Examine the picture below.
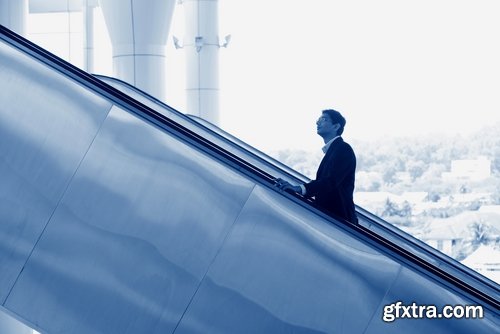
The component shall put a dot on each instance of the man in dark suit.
(333, 187)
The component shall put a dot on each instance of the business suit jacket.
(333, 187)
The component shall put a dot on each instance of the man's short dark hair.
(336, 117)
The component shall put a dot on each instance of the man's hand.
(285, 185)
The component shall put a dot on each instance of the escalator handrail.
(390, 248)
(382, 226)
(214, 130)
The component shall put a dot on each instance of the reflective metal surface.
(283, 270)
(276, 169)
(133, 236)
(9, 325)
(47, 123)
(412, 287)
(110, 224)
(208, 131)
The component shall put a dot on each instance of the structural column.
(138, 31)
(88, 35)
(14, 14)
(201, 44)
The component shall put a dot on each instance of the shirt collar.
(327, 145)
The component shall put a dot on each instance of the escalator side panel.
(212, 134)
(133, 236)
(283, 270)
(47, 123)
(412, 288)
(276, 169)
(150, 229)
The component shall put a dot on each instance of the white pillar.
(88, 35)
(139, 31)
(201, 44)
(13, 15)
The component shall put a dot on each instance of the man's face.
(325, 126)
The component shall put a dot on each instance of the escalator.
(121, 216)
(273, 167)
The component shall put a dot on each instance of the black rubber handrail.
(364, 215)
(217, 152)
(213, 129)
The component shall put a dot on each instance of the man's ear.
(336, 126)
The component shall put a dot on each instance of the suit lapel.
(328, 157)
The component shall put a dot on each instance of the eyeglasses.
(323, 119)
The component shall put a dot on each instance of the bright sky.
(392, 67)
